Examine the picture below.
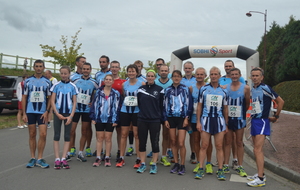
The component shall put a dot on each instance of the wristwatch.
(276, 116)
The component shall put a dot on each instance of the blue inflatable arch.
(218, 51)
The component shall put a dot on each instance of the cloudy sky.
(136, 29)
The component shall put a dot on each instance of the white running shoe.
(251, 178)
(20, 127)
(256, 183)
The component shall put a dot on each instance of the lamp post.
(265, 37)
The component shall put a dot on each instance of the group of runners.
(140, 105)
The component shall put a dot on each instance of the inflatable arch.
(218, 51)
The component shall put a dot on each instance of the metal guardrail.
(18, 63)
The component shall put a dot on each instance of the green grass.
(289, 91)
(7, 121)
(19, 72)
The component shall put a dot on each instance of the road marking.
(22, 165)
(237, 178)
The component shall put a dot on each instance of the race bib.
(214, 100)
(130, 101)
(83, 98)
(37, 96)
(195, 108)
(256, 108)
(234, 111)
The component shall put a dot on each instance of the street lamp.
(265, 37)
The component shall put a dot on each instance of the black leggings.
(143, 128)
(57, 128)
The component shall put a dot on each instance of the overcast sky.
(136, 29)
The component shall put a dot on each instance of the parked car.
(8, 92)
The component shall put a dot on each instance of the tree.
(67, 55)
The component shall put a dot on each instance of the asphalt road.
(14, 174)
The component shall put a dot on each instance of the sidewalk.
(285, 137)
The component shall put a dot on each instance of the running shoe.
(235, 164)
(81, 158)
(170, 154)
(141, 169)
(31, 163)
(241, 171)
(208, 168)
(199, 174)
(137, 164)
(21, 127)
(129, 151)
(88, 152)
(149, 155)
(95, 153)
(73, 152)
(118, 156)
(97, 162)
(221, 175)
(120, 163)
(25, 126)
(193, 158)
(68, 158)
(153, 169)
(65, 164)
(164, 161)
(57, 164)
(256, 183)
(181, 171)
(226, 169)
(196, 168)
(107, 162)
(251, 178)
(42, 163)
(49, 125)
(175, 168)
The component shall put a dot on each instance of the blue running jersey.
(236, 103)
(75, 76)
(105, 109)
(223, 80)
(64, 96)
(86, 88)
(212, 100)
(130, 97)
(37, 90)
(188, 82)
(262, 97)
(142, 78)
(99, 76)
(163, 85)
(195, 96)
(178, 101)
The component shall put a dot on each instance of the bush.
(289, 91)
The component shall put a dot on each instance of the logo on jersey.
(155, 93)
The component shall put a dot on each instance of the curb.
(274, 167)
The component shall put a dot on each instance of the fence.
(17, 62)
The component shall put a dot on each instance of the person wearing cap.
(150, 101)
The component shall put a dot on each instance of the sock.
(80, 152)
(130, 136)
(163, 156)
(138, 158)
(261, 178)
(87, 147)
(98, 157)
(62, 159)
(106, 157)
(122, 157)
(169, 149)
(234, 159)
(153, 163)
(144, 163)
(68, 153)
(57, 159)
(208, 163)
